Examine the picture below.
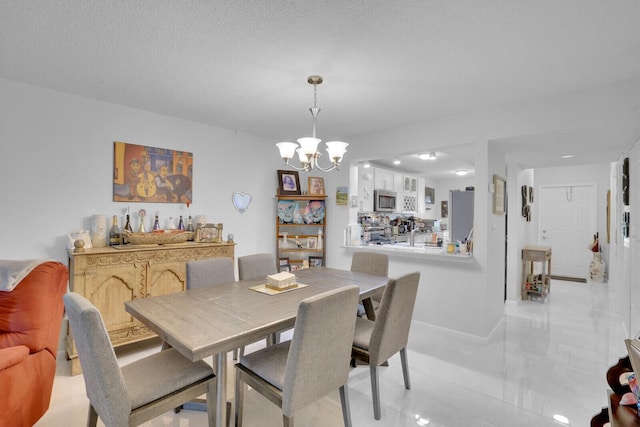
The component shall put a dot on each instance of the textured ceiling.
(243, 64)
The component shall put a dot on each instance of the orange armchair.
(30, 323)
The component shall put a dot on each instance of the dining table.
(214, 320)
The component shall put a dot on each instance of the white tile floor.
(544, 359)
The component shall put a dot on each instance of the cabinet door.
(166, 277)
(383, 179)
(108, 287)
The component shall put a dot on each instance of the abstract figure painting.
(151, 175)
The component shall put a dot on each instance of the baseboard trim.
(466, 335)
(569, 279)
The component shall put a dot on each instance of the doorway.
(567, 223)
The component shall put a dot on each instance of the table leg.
(368, 309)
(220, 360)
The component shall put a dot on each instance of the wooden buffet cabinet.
(109, 277)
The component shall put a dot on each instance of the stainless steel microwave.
(384, 201)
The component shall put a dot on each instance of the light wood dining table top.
(202, 322)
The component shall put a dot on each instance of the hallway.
(542, 360)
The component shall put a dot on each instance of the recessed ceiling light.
(561, 419)
(462, 172)
(396, 161)
(566, 156)
(367, 165)
(427, 156)
(422, 421)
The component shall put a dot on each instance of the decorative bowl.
(158, 238)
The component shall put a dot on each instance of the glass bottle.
(127, 228)
(190, 227)
(114, 232)
(181, 224)
(156, 224)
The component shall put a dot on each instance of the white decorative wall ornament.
(241, 201)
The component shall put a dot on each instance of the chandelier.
(308, 149)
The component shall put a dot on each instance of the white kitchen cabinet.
(383, 179)
(410, 194)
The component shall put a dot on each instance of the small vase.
(284, 243)
(596, 268)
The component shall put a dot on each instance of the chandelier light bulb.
(309, 145)
(336, 149)
(287, 149)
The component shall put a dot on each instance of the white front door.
(567, 224)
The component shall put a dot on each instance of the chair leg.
(287, 421)
(346, 411)
(212, 397)
(405, 368)
(375, 391)
(239, 398)
(92, 417)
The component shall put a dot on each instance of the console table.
(536, 285)
(111, 276)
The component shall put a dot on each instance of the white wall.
(57, 152)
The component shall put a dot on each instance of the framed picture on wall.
(499, 191)
(151, 174)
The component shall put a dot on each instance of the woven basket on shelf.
(164, 238)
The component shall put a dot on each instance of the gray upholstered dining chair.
(253, 267)
(210, 272)
(141, 390)
(376, 341)
(372, 263)
(296, 373)
(256, 265)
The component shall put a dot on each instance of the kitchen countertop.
(419, 251)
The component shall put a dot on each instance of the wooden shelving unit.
(536, 284)
(301, 211)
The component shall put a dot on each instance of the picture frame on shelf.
(208, 233)
(499, 189)
(297, 266)
(316, 186)
(289, 183)
(312, 242)
(316, 261)
(284, 265)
